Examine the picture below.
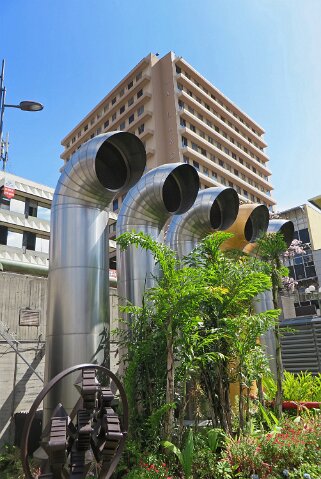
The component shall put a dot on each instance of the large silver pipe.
(285, 227)
(78, 298)
(214, 209)
(166, 190)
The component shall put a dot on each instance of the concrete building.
(181, 117)
(24, 224)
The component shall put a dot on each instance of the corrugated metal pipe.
(215, 209)
(78, 308)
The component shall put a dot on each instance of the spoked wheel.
(92, 438)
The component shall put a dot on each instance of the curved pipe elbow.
(166, 190)
(285, 227)
(251, 222)
(103, 167)
(215, 209)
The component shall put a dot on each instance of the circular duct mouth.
(287, 230)
(180, 189)
(120, 161)
(224, 209)
(256, 224)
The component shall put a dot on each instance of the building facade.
(24, 224)
(306, 268)
(181, 117)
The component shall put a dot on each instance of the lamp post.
(23, 105)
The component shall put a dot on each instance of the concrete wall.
(19, 385)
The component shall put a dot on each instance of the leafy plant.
(185, 456)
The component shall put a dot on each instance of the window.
(85, 127)
(236, 172)
(131, 101)
(138, 76)
(106, 124)
(214, 175)
(205, 171)
(3, 234)
(122, 91)
(140, 110)
(18, 206)
(141, 128)
(245, 193)
(106, 107)
(31, 208)
(203, 151)
(130, 84)
(122, 109)
(73, 140)
(234, 156)
(122, 126)
(131, 118)
(210, 140)
(115, 204)
(42, 245)
(221, 163)
(191, 110)
(14, 239)
(43, 213)
(29, 240)
(113, 118)
(192, 127)
(227, 151)
(178, 69)
(185, 159)
(194, 146)
(180, 104)
(180, 86)
(184, 142)
(79, 134)
(98, 131)
(230, 184)
(140, 93)
(182, 122)
(196, 164)
(113, 101)
(304, 235)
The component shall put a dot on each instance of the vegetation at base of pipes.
(192, 338)
(270, 248)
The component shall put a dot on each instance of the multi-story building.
(181, 117)
(24, 224)
(305, 268)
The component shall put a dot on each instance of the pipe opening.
(111, 167)
(120, 161)
(225, 209)
(180, 189)
(216, 215)
(287, 230)
(256, 224)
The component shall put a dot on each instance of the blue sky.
(263, 54)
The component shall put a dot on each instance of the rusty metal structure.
(215, 209)
(91, 436)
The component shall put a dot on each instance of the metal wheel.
(91, 438)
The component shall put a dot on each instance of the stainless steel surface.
(78, 298)
(214, 209)
(164, 191)
(286, 227)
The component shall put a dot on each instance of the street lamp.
(23, 105)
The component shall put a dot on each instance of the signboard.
(9, 188)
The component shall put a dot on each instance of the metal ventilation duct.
(78, 306)
(252, 220)
(166, 190)
(214, 209)
(285, 227)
